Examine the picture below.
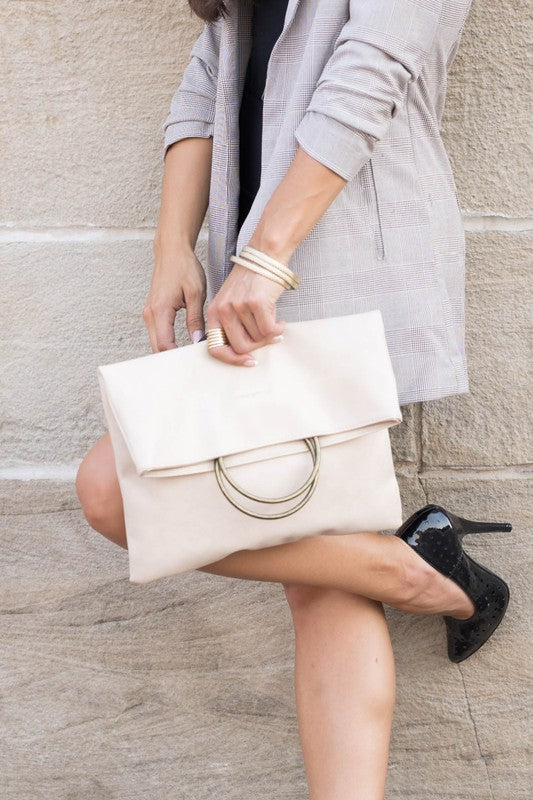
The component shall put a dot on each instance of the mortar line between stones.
(494, 222)
(66, 472)
(12, 233)
(418, 422)
(474, 726)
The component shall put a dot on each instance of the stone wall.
(112, 690)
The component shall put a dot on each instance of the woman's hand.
(245, 307)
(178, 281)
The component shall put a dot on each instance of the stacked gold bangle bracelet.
(265, 265)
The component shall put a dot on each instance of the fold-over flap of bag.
(183, 407)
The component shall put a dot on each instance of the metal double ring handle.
(308, 487)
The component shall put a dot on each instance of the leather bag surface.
(172, 415)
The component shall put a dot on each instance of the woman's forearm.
(245, 305)
(295, 206)
(185, 192)
(178, 279)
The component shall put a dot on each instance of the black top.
(267, 24)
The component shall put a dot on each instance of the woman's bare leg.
(372, 565)
(382, 568)
(345, 692)
(344, 669)
(99, 492)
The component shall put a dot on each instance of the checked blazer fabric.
(360, 85)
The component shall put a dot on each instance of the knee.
(95, 494)
(298, 595)
(306, 600)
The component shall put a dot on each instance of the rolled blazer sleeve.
(380, 50)
(192, 109)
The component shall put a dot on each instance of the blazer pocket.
(378, 225)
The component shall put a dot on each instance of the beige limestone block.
(182, 688)
(497, 679)
(72, 307)
(486, 123)
(489, 426)
(185, 686)
(404, 439)
(85, 91)
(88, 85)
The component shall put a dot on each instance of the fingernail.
(250, 362)
(278, 338)
(197, 336)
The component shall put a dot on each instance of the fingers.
(178, 281)
(148, 321)
(242, 331)
(260, 323)
(160, 317)
(164, 328)
(159, 320)
(194, 317)
(227, 352)
(249, 323)
(250, 326)
(232, 322)
(266, 323)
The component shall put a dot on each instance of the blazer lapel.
(241, 14)
(236, 44)
(292, 7)
(290, 14)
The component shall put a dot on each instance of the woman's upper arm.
(382, 47)
(192, 108)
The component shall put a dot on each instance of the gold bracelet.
(270, 261)
(260, 271)
(286, 275)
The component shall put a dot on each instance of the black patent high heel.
(436, 535)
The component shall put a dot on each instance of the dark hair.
(208, 10)
(211, 10)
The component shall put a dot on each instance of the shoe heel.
(465, 526)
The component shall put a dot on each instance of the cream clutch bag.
(212, 458)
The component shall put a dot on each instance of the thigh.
(99, 462)
(99, 491)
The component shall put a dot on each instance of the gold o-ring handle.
(308, 487)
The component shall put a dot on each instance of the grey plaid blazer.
(360, 85)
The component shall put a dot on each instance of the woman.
(272, 128)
